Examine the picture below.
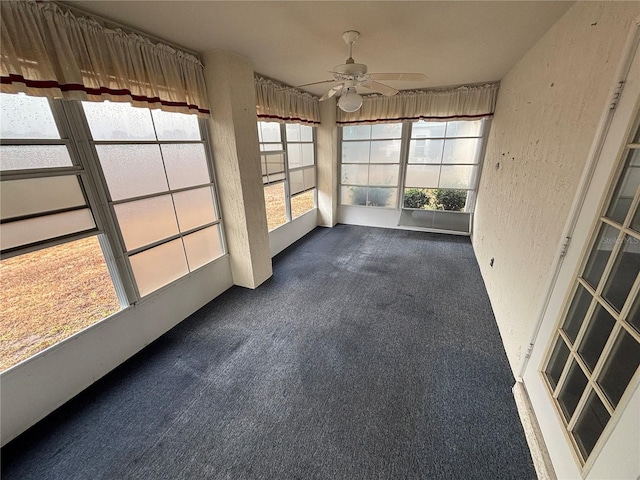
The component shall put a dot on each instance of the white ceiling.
(298, 42)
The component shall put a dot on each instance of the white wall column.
(236, 153)
(327, 164)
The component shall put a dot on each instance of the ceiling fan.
(351, 75)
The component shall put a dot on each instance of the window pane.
(382, 197)
(417, 198)
(596, 336)
(37, 195)
(356, 132)
(271, 147)
(309, 177)
(621, 365)
(626, 188)
(296, 181)
(25, 232)
(557, 362)
(175, 126)
(299, 133)
(275, 205)
(355, 152)
(383, 175)
(591, 424)
(118, 121)
(422, 176)
(294, 155)
(635, 222)
(194, 208)
(449, 199)
(302, 203)
(423, 129)
(186, 165)
(464, 128)
(269, 132)
(203, 247)
(146, 221)
(355, 174)
(634, 315)
(387, 130)
(425, 151)
(625, 270)
(18, 157)
(456, 176)
(51, 294)
(463, 150)
(577, 312)
(607, 238)
(132, 170)
(24, 117)
(572, 390)
(353, 195)
(159, 266)
(385, 151)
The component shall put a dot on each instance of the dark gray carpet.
(370, 354)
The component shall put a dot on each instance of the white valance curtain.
(435, 105)
(47, 51)
(275, 102)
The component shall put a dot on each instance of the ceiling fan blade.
(332, 92)
(380, 88)
(315, 83)
(407, 77)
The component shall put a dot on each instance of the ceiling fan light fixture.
(350, 101)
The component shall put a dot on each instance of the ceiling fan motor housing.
(351, 69)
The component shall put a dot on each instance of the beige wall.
(549, 106)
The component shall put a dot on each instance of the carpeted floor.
(370, 354)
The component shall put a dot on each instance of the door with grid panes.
(588, 369)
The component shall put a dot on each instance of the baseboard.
(533, 434)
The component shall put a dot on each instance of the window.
(435, 165)
(287, 153)
(155, 169)
(370, 165)
(109, 177)
(595, 352)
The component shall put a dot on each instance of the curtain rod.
(107, 23)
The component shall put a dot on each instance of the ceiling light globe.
(350, 101)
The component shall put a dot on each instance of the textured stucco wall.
(548, 108)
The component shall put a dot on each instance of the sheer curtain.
(457, 103)
(277, 102)
(47, 51)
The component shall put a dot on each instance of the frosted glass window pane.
(428, 129)
(425, 151)
(387, 151)
(294, 155)
(457, 176)
(37, 195)
(383, 175)
(464, 128)
(118, 121)
(309, 177)
(296, 181)
(274, 163)
(355, 152)
(26, 117)
(387, 130)
(355, 174)
(356, 132)
(382, 197)
(194, 208)
(299, 133)
(353, 196)
(463, 150)
(626, 188)
(202, 247)
(185, 164)
(18, 157)
(159, 266)
(269, 132)
(271, 147)
(146, 221)
(132, 170)
(24, 232)
(175, 126)
(422, 176)
(308, 156)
